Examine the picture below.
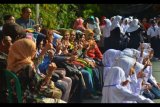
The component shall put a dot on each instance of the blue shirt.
(25, 23)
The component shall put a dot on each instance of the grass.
(156, 74)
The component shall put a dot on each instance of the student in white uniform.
(106, 34)
(125, 24)
(152, 33)
(129, 64)
(108, 60)
(114, 90)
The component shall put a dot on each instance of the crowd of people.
(107, 57)
(52, 66)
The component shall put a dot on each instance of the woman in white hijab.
(115, 92)
(116, 33)
(128, 64)
(109, 58)
(133, 53)
(106, 33)
(134, 33)
(125, 24)
(139, 80)
(116, 22)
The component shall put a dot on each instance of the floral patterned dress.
(33, 91)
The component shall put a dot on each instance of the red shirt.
(95, 53)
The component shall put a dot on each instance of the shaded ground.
(156, 74)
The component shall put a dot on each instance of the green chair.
(11, 76)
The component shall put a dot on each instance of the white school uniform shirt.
(114, 92)
(152, 32)
(148, 75)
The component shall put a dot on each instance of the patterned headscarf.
(21, 54)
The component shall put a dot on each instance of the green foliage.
(53, 15)
(58, 16)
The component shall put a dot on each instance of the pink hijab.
(78, 24)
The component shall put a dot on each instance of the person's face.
(50, 36)
(41, 45)
(126, 22)
(90, 36)
(50, 39)
(66, 36)
(145, 60)
(82, 39)
(144, 20)
(11, 20)
(8, 41)
(73, 36)
(38, 29)
(151, 55)
(27, 13)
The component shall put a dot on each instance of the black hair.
(152, 21)
(79, 35)
(7, 17)
(24, 9)
(13, 30)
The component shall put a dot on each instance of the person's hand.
(140, 74)
(125, 83)
(148, 63)
(132, 70)
(158, 86)
(51, 68)
(48, 45)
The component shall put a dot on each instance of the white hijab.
(114, 92)
(147, 47)
(126, 63)
(108, 60)
(110, 56)
(116, 22)
(125, 26)
(107, 27)
(133, 25)
(133, 53)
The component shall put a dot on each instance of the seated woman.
(66, 81)
(93, 54)
(109, 58)
(114, 90)
(35, 87)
